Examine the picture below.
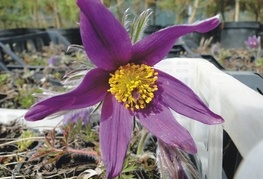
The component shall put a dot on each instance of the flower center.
(133, 85)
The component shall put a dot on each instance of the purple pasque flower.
(51, 61)
(54, 61)
(129, 86)
(253, 42)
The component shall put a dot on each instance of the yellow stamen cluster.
(133, 85)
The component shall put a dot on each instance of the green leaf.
(139, 25)
(24, 144)
(124, 21)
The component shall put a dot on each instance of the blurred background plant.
(236, 10)
(65, 14)
(242, 59)
(38, 14)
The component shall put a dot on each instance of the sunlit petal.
(115, 133)
(105, 40)
(155, 47)
(184, 101)
(91, 90)
(159, 120)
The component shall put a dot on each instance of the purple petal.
(115, 133)
(105, 40)
(91, 90)
(184, 101)
(155, 47)
(159, 120)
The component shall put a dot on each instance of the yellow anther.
(133, 85)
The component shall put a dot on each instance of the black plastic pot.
(215, 33)
(72, 35)
(234, 34)
(151, 29)
(10, 46)
(17, 32)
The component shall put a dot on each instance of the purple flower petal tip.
(207, 24)
(183, 100)
(90, 91)
(39, 112)
(48, 107)
(115, 133)
(216, 119)
(164, 126)
(105, 40)
(153, 48)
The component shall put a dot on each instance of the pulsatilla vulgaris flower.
(129, 86)
(253, 42)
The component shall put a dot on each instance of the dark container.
(16, 32)
(234, 34)
(72, 35)
(151, 29)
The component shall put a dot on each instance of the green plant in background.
(65, 13)
(236, 10)
(83, 132)
(25, 97)
(178, 6)
(254, 7)
(4, 78)
(223, 54)
(25, 140)
(185, 9)
(215, 7)
(19, 88)
(8, 13)
(38, 14)
(259, 64)
(16, 14)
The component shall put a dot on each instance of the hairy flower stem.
(144, 134)
(84, 152)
